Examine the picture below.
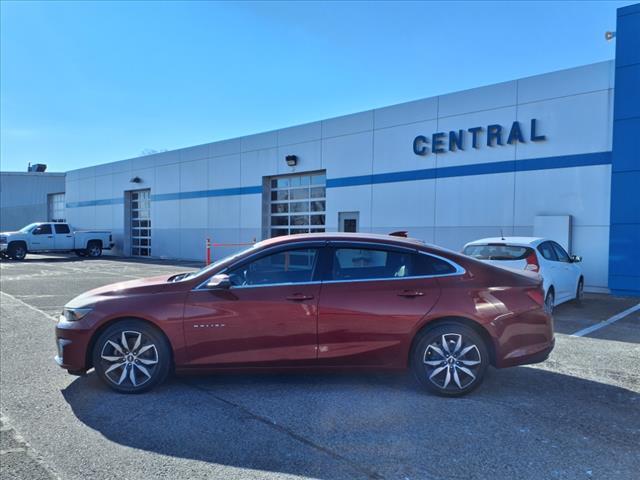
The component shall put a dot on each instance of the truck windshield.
(29, 227)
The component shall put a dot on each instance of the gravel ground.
(576, 415)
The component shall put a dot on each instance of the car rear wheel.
(131, 357)
(94, 249)
(17, 251)
(450, 359)
(549, 301)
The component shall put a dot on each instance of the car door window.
(62, 228)
(43, 230)
(424, 264)
(547, 252)
(289, 266)
(562, 255)
(367, 263)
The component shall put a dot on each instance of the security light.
(608, 36)
(136, 180)
(292, 160)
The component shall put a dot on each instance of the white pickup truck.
(54, 237)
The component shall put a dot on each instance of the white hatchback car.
(561, 273)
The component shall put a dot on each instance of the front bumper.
(72, 343)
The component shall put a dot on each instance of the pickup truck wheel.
(17, 251)
(81, 253)
(94, 249)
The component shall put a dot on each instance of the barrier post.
(208, 255)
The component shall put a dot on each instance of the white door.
(567, 272)
(63, 236)
(42, 238)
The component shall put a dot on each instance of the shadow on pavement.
(71, 258)
(371, 425)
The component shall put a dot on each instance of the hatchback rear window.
(497, 252)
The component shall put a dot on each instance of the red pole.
(208, 251)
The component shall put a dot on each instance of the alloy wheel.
(94, 251)
(129, 359)
(452, 362)
(19, 253)
(548, 303)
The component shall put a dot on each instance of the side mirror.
(37, 231)
(219, 281)
(576, 258)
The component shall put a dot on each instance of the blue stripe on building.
(546, 163)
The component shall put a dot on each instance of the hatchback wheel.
(580, 291)
(450, 359)
(549, 301)
(131, 357)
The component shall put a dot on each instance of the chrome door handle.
(411, 293)
(299, 297)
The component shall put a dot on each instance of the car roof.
(521, 241)
(356, 237)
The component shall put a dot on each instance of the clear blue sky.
(88, 83)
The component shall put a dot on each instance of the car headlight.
(75, 314)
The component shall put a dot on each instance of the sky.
(84, 83)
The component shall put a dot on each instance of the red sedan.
(324, 301)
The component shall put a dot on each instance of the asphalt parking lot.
(577, 415)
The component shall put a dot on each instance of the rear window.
(497, 252)
(62, 228)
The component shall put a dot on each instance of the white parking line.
(598, 326)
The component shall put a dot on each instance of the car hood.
(130, 287)
(8, 233)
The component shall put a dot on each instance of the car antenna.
(501, 235)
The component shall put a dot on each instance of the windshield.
(220, 262)
(497, 252)
(28, 228)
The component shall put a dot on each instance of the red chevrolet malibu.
(324, 301)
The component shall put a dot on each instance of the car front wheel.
(17, 251)
(131, 356)
(450, 359)
(549, 301)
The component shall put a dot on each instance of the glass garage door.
(141, 223)
(298, 204)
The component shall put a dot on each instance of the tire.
(150, 362)
(17, 251)
(81, 253)
(580, 291)
(94, 249)
(451, 373)
(549, 301)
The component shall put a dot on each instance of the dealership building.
(556, 154)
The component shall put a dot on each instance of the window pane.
(279, 208)
(299, 207)
(362, 264)
(546, 250)
(318, 192)
(299, 194)
(317, 219)
(561, 253)
(428, 265)
(279, 220)
(292, 266)
(318, 179)
(317, 206)
(299, 230)
(279, 232)
(299, 220)
(280, 195)
(62, 229)
(497, 252)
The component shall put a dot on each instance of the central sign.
(494, 134)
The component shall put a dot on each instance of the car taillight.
(532, 263)
(537, 295)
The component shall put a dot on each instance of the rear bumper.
(108, 246)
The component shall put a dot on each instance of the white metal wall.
(573, 108)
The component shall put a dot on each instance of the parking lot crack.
(248, 414)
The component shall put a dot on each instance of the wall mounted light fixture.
(292, 160)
